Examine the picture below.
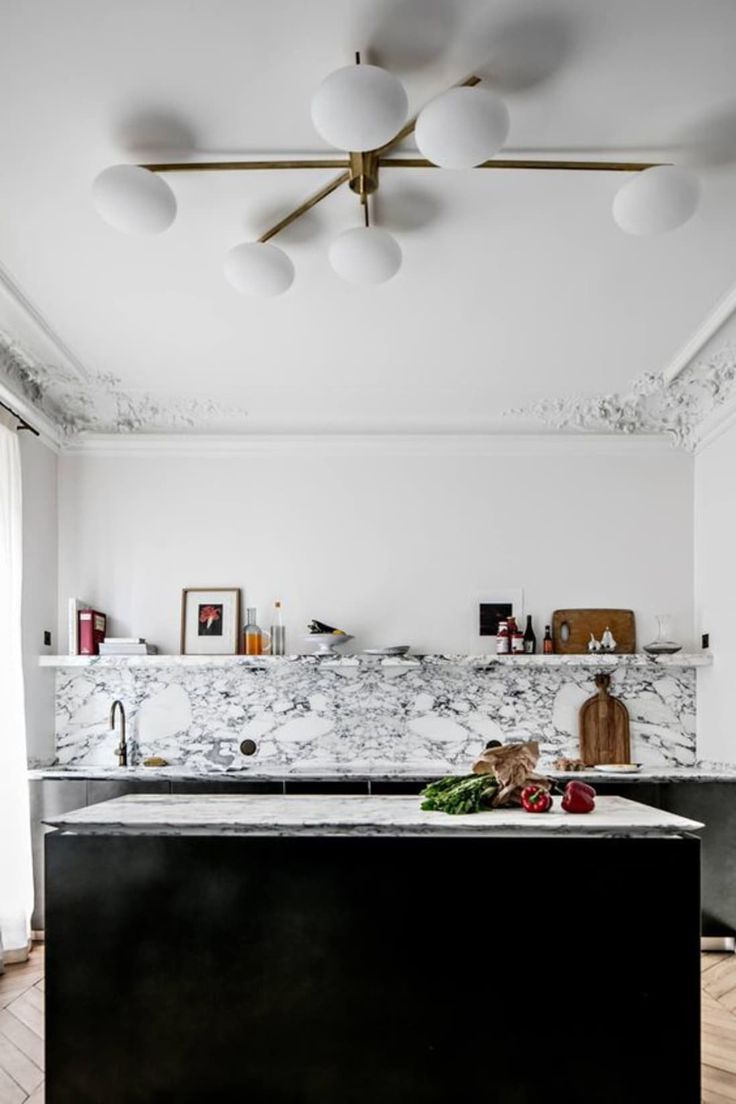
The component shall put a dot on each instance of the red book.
(92, 628)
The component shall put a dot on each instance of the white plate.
(392, 650)
(618, 768)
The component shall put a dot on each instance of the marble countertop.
(348, 815)
(704, 772)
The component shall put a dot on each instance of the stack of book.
(126, 645)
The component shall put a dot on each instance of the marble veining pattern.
(431, 715)
(218, 814)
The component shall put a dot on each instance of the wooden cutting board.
(581, 623)
(604, 727)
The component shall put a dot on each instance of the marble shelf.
(640, 659)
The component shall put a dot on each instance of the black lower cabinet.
(714, 804)
(215, 787)
(104, 790)
(397, 788)
(48, 799)
(305, 786)
(372, 970)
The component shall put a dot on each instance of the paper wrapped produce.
(513, 767)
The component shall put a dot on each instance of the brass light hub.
(364, 173)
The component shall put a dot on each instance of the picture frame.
(210, 621)
(500, 601)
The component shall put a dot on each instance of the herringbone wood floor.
(718, 986)
(21, 1030)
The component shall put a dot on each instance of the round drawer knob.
(248, 747)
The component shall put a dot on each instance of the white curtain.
(16, 875)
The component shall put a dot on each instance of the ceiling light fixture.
(462, 128)
(657, 200)
(365, 254)
(134, 200)
(362, 110)
(256, 268)
(359, 107)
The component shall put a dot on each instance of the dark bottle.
(530, 640)
(547, 647)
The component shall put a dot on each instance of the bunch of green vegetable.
(467, 794)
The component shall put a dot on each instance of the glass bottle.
(503, 643)
(278, 632)
(664, 644)
(517, 639)
(548, 644)
(252, 635)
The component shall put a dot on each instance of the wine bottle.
(517, 637)
(548, 645)
(530, 640)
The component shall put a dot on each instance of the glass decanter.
(663, 645)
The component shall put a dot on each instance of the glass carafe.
(663, 645)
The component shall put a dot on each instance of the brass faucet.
(122, 749)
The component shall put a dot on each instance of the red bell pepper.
(578, 798)
(535, 799)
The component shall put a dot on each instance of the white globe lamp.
(258, 268)
(462, 128)
(134, 200)
(365, 255)
(656, 200)
(360, 107)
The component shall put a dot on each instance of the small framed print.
(497, 605)
(210, 621)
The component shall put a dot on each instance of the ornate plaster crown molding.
(100, 404)
(679, 407)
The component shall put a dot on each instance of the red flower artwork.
(208, 615)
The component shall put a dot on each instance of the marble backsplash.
(430, 713)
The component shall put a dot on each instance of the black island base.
(350, 950)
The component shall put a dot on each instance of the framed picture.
(497, 605)
(210, 621)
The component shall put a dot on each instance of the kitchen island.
(379, 953)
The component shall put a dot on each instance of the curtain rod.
(22, 423)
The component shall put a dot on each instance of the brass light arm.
(501, 163)
(239, 166)
(402, 163)
(302, 209)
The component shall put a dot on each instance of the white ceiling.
(515, 286)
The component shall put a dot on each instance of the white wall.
(40, 550)
(715, 593)
(393, 548)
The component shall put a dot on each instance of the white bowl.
(327, 641)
